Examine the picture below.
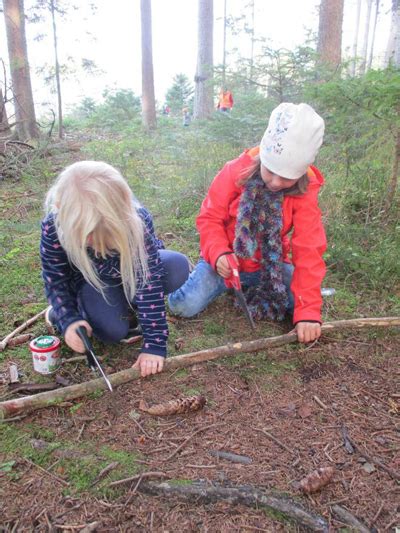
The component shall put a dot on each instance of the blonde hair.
(94, 206)
(300, 187)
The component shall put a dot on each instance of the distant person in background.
(186, 118)
(225, 100)
(166, 110)
(262, 209)
(102, 263)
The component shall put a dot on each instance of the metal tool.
(233, 282)
(91, 358)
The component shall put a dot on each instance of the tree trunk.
(26, 126)
(393, 46)
(355, 41)
(4, 126)
(148, 98)
(329, 46)
(371, 53)
(224, 47)
(252, 41)
(203, 97)
(57, 70)
(364, 50)
(394, 178)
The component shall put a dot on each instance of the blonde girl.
(101, 259)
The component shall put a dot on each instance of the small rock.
(368, 467)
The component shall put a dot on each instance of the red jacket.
(304, 247)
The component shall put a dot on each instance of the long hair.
(300, 187)
(94, 206)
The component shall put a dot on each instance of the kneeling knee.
(111, 334)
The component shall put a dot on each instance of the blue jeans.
(204, 285)
(110, 319)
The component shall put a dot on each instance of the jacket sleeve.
(308, 246)
(214, 216)
(150, 296)
(57, 275)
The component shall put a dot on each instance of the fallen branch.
(135, 478)
(392, 473)
(12, 408)
(20, 328)
(201, 491)
(233, 457)
(348, 518)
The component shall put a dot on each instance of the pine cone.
(317, 479)
(174, 407)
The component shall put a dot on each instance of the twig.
(142, 429)
(60, 480)
(201, 466)
(104, 472)
(320, 403)
(179, 448)
(277, 441)
(81, 431)
(243, 459)
(139, 476)
(20, 328)
(14, 419)
(79, 358)
(377, 514)
(346, 439)
(378, 462)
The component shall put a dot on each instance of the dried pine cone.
(174, 407)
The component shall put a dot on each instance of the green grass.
(79, 471)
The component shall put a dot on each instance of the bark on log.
(251, 496)
(27, 404)
(348, 518)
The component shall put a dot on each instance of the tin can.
(46, 354)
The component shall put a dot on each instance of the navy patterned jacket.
(62, 282)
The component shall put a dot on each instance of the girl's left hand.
(148, 364)
(308, 331)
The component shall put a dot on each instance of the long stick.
(26, 404)
(203, 492)
(20, 328)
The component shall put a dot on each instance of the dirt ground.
(285, 410)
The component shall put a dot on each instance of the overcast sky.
(115, 41)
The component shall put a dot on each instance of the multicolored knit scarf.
(259, 222)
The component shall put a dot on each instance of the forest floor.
(285, 409)
(301, 395)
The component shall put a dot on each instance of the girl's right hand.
(72, 338)
(222, 265)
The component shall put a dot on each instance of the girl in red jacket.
(263, 209)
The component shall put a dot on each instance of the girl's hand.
(222, 265)
(308, 331)
(72, 338)
(148, 364)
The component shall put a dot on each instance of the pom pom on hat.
(292, 140)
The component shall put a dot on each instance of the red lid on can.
(45, 343)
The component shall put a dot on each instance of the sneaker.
(48, 316)
(133, 335)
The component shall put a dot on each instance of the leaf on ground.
(305, 410)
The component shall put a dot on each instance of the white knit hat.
(291, 140)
